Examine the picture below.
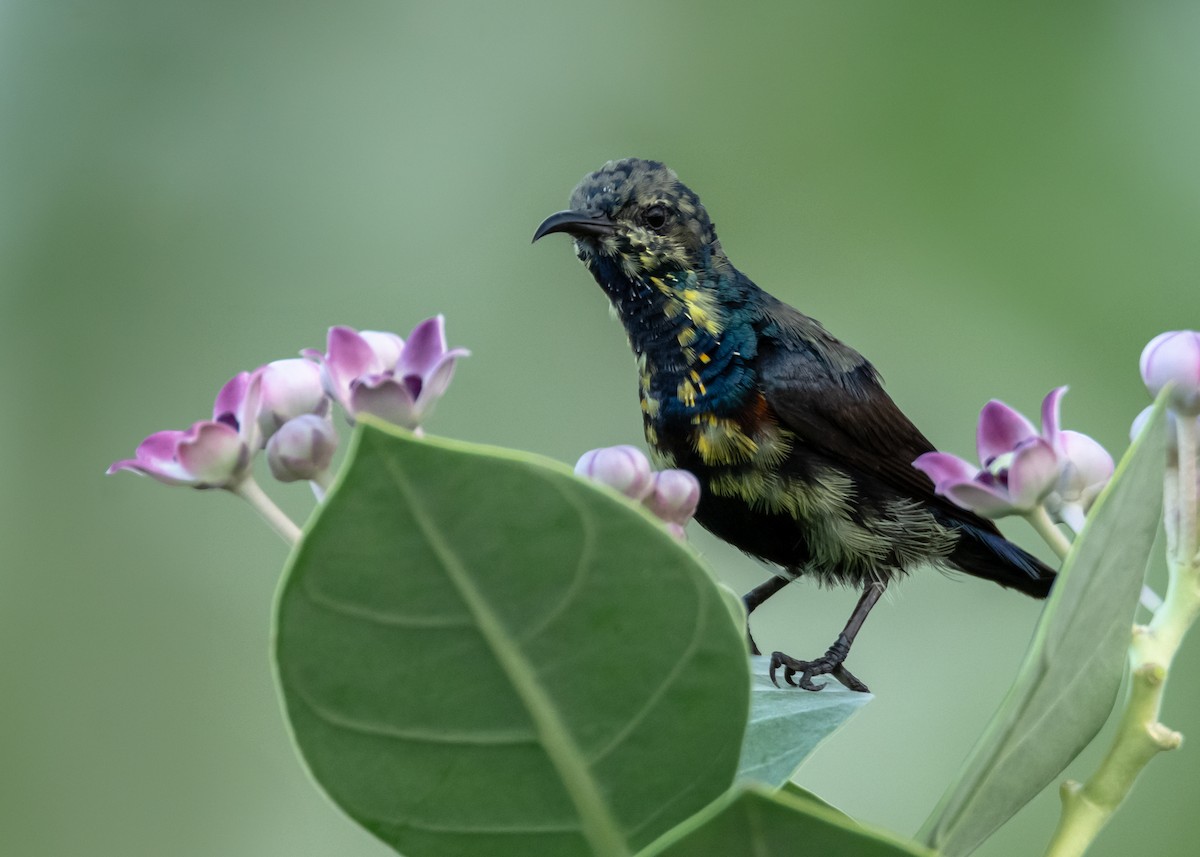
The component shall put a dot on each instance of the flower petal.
(1034, 471)
(424, 349)
(228, 404)
(945, 469)
(155, 457)
(987, 500)
(214, 454)
(348, 356)
(386, 346)
(249, 412)
(385, 397)
(1050, 422)
(159, 446)
(1000, 430)
(434, 384)
(1086, 469)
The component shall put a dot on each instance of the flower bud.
(290, 388)
(302, 448)
(1174, 357)
(674, 495)
(624, 468)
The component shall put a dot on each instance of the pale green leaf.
(1071, 673)
(787, 724)
(482, 654)
(758, 822)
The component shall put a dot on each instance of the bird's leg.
(756, 596)
(831, 663)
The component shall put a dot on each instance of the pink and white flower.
(1023, 468)
(379, 373)
(214, 453)
(1019, 466)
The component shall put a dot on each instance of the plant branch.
(1140, 737)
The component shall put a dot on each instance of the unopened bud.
(1174, 357)
(302, 448)
(674, 495)
(624, 468)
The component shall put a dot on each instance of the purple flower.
(302, 449)
(623, 468)
(213, 453)
(381, 374)
(290, 388)
(1020, 466)
(1174, 357)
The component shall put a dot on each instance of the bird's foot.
(831, 664)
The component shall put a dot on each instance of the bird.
(804, 461)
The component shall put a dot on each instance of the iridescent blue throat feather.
(695, 355)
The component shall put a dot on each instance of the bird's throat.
(693, 357)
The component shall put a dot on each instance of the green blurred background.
(987, 199)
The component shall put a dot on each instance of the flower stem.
(252, 493)
(320, 485)
(1087, 807)
(1188, 523)
(1039, 518)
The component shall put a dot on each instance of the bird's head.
(633, 219)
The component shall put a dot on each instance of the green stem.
(252, 493)
(1140, 737)
(1039, 518)
(1188, 523)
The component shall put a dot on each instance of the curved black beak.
(576, 223)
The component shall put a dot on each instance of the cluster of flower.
(284, 408)
(1049, 476)
(671, 495)
(1059, 473)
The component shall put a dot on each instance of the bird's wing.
(831, 398)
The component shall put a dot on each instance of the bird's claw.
(830, 664)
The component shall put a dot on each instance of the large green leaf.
(481, 654)
(754, 821)
(1069, 679)
(787, 724)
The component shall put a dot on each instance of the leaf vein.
(435, 735)
(677, 669)
(599, 826)
(380, 617)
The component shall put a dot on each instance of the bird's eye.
(655, 217)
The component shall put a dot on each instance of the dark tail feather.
(993, 557)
